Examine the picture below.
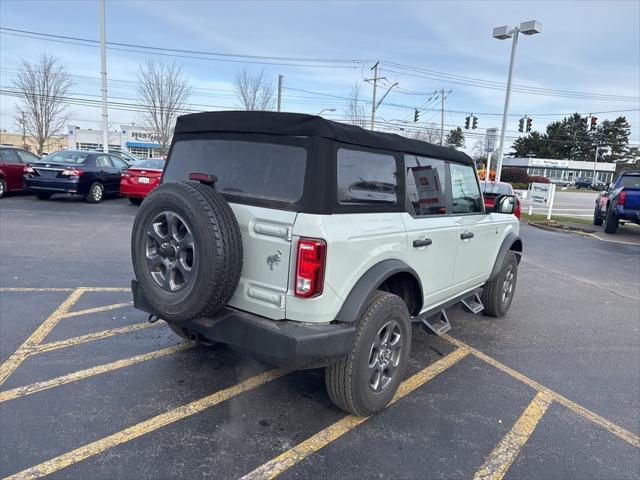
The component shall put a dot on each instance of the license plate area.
(143, 180)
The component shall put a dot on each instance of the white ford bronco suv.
(309, 243)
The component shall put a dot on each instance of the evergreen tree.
(455, 138)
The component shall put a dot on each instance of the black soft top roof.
(299, 124)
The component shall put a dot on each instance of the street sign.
(490, 140)
(542, 195)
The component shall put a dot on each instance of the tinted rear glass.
(73, 158)
(496, 188)
(150, 164)
(365, 177)
(254, 169)
(630, 181)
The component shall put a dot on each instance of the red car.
(490, 190)
(139, 179)
(12, 163)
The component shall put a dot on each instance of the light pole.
(502, 33)
(326, 110)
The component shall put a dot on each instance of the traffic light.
(529, 123)
(521, 125)
(416, 115)
(467, 121)
(475, 122)
(594, 123)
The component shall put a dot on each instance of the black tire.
(193, 273)
(3, 187)
(135, 200)
(597, 216)
(497, 294)
(96, 193)
(43, 195)
(611, 222)
(349, 381)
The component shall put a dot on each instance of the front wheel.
(497, 294)
(3, 188)
(365, 381)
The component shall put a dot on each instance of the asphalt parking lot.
(89, 389)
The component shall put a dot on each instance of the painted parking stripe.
(89, 372)
(79, 454)
(501, 458)
(89, 337)
(602, 422)
(10, 365)
(30, 289)
(286, 460)
(104, 308)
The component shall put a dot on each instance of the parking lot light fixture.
(326, 110)
(502, 33)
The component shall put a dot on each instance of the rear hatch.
(261, 181)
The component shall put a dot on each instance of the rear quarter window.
(366, 178)
(253, 169)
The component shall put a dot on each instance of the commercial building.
(129, 138)
(57, 142)
(567, 170)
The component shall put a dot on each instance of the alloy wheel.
(170, 251)
(507, 284)
(384, 356)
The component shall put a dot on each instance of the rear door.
(260, 180)
(478, 236)
(432, 232)
(11, 168)
(108, 173)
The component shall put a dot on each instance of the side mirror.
(505, 204)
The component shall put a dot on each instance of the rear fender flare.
(356, 301)
(511, 242)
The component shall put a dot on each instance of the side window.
(117, 162)
(465, 192)
(27, 157)
(8, 155)
(366, 178)
(103, 161)
(426, 186)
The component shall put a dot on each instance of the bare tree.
(430, 134)
(355, 109)
(254, 91)
(41, 88)
(163, 92)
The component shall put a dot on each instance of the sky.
(587, 58)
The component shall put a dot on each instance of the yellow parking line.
(501, 458)
(106, 289)
(286, 460)
(21, 289)
(617, 430)
(79, 454)
(89, 337)
(104, 308)
(9, 366)
(89, 372)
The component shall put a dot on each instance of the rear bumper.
(55, 186)
(135, 190)
(284, 343)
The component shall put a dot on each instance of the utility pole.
(280, 80)
(442, 97)
(103, 73)
(373, 102)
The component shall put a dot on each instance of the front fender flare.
(356, 301)
(511, 242)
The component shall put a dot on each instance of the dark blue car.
(90, 174)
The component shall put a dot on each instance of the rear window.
(150, 164)
(496, 188)
(73, 158)
(630, 181)
(253, 169)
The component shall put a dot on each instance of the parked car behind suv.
(138, 180)
(90, 174)
(310, 243)
(493, 190)
(619, 203)
(12, 163)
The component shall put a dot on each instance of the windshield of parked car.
(630, 181)
(152, 164)
(496, 188)
(73, 158)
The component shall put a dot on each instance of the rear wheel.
(365, 381)
(43, 195)
(497, 294)
(611, 221)
(597, 216)
(3, 187)
(135, 200)
(96, 193)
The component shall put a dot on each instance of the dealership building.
(129, 138)
(567, 170)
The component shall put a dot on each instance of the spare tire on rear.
(187, 251)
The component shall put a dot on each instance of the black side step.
(438, 323)
(473, 303)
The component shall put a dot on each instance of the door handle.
(466, 236)
(422, 243)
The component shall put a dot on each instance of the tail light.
(518, 211)
(622, 197)
(310, 267)
(28, 169)
(72, 172)
(126, 174)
